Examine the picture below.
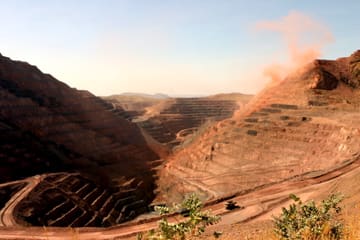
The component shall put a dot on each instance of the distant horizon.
(177, 48)
(185, 95)
(179, 95)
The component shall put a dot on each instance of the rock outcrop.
(346, 70)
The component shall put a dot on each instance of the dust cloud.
(304, 38)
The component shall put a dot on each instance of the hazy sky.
(167, 46)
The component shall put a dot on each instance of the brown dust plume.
(304, 38)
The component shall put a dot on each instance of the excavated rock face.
(184, 115)
(346, 70)
(355, 69)
(307, 123)
(322, 79)
(73, 200)
(47, 126)
(169, 121)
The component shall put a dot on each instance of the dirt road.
(256, 202)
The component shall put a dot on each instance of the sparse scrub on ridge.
(310, 221)
(192, 223)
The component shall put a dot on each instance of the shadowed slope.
(47, 126)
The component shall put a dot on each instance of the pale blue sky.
(173, 47)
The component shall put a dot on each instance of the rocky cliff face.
(307, 123)
(46, 126)
(345, 70)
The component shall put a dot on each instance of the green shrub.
(310, 221)
(193, 223)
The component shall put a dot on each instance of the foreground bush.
(310, 221)
(193, 223)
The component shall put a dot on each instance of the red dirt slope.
(308, 122)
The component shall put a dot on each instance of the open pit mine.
(74, 164)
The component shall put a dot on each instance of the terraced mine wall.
(296, 127)
(47, 126)
(75, 201)
(186, 114)
(132, 106)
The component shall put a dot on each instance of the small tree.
(310, 221)
(193, 224)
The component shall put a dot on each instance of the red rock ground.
(299, 136)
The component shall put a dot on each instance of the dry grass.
(351, 231)
(352, 224)
(264, 230)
